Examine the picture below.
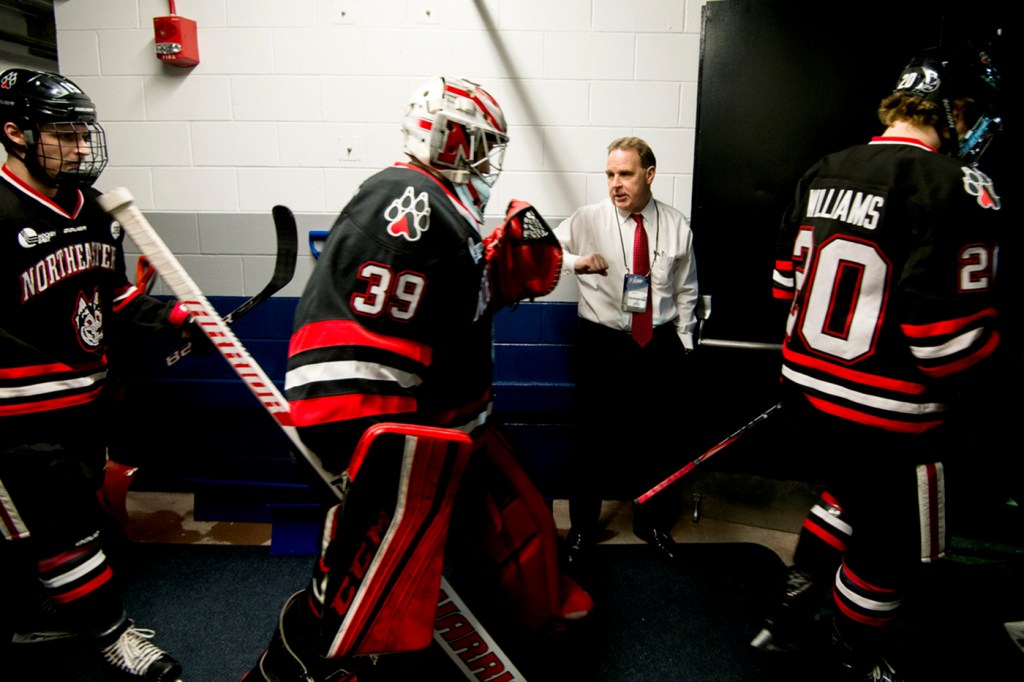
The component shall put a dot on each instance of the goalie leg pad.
(384, 545)
(508, 542)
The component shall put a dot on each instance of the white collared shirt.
(604, 229)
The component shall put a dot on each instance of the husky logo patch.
(977, 184)
(115, 229)
(408, 216)
(89, 321)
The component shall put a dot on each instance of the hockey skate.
(790, 627)
(860, 666)
(133, 654)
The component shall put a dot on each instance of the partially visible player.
(64, 296)
(393, 328)
(888, 255)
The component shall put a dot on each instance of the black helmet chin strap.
(949, 143)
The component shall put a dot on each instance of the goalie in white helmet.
(391, 348)
(456, 127)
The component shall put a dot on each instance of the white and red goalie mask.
(456, 127)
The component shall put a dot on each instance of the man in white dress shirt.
(637, 317)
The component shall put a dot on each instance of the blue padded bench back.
(238, 460)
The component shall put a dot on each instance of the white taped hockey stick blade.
(120, 204)
(284, 269)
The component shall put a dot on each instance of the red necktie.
(643, 329)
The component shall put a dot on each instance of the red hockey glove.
(199, 343)
(524, 257)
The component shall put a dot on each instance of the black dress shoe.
(574, 549)
(658, 539)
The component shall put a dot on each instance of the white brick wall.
(296, 102)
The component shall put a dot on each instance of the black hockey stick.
(729, 440)
(469, 645)
(284, 270)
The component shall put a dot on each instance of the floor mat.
(214, 607)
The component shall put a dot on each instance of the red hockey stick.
(483, 660)
(729, 440)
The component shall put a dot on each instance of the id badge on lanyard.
(635, 290)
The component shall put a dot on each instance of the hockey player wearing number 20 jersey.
(888, 257)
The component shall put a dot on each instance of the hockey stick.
(284, 270)
(729, 440)
(481, 658)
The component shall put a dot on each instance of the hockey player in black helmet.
(54, 130)
(957, 93)
(64, 296)
(887, 256)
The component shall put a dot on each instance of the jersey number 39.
(398, 295)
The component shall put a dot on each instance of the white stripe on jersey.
(862, 398)
(780, 279)
(954, 345)
(342, 370)
(53, 386)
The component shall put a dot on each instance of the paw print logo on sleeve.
(977, 184)
(409, 215)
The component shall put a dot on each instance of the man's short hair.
(901, 106)
(643, 150)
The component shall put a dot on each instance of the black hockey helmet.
(40, 101)
(944, 75)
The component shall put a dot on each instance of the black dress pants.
(631, 422)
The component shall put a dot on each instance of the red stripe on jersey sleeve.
(344, 333)
(54, 368)
(944, 327)
(782, 294)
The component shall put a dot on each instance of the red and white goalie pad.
(382, 551)
(524, 258)
(506, 544)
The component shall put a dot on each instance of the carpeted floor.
(214, 607)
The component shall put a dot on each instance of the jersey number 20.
(849, 289)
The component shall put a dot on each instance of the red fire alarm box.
(176, 41)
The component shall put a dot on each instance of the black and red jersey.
(63, 287)
(393, 324)
(888, 255)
